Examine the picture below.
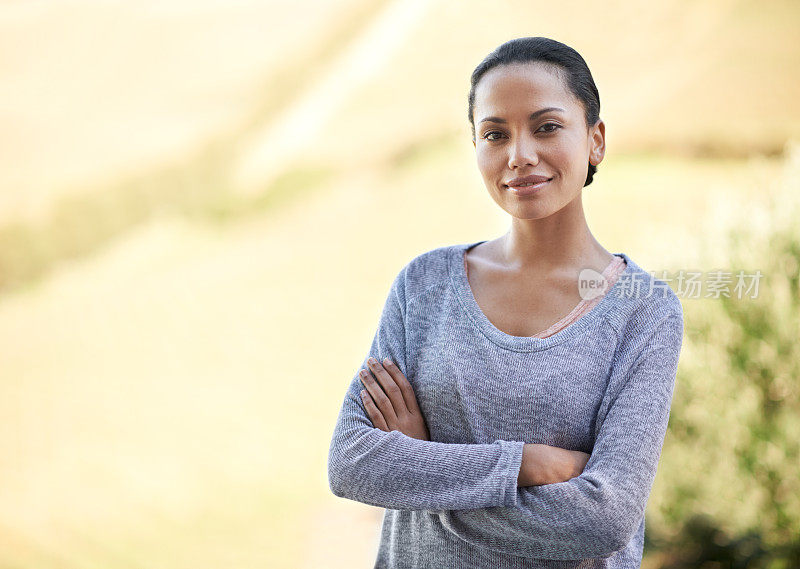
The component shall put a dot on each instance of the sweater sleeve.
(598, 512)
(392, 470)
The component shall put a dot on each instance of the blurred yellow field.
(160, 403)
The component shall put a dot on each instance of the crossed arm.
(392, 470)
(391, 405)
(478, 490)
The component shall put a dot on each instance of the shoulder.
(645, 309)
(425, 271)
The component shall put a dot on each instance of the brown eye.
(488, 134)
(554, 125)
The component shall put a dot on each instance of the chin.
(528, 211)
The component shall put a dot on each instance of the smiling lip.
(533, 179)
(518, 186)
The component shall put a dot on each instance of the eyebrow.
(530, 118)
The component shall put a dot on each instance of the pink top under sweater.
(611, 273)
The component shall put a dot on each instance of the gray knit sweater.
(603, 385)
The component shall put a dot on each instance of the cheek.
(487, 162)
(568, 151)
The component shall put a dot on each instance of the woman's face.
(517, 136)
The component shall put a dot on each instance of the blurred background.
(202, 207)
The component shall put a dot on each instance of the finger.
(390, 387)
(361, 396)
(405, 387)
(374, 413)
(371, 410)
(380, 399)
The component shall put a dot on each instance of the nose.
(522, 152)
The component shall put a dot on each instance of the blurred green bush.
(729, 494)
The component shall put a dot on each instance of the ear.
(473, 143)
(597, 144)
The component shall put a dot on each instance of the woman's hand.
(544, 464)
(390, 401)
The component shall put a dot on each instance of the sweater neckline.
(459, 281)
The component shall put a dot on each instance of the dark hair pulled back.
(568, 64)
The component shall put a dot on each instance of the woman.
(508, 418)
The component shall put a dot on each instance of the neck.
(560, 241)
